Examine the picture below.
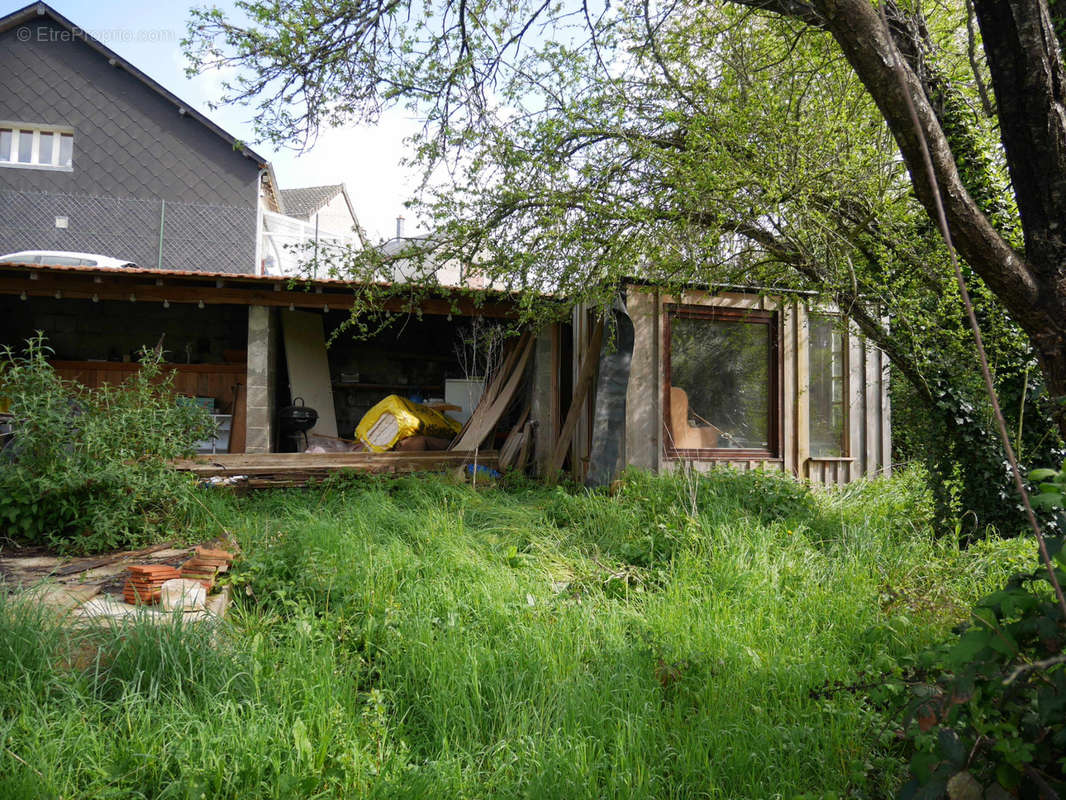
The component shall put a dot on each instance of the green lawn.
(416, 638)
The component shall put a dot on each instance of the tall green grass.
(415, 638)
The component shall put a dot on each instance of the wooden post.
(589, 363)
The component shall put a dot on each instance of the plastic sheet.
(396, 418)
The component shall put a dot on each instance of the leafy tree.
(567, 148)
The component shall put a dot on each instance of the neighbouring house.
(306, 223)
(97, 157)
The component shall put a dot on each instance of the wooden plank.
(182, 291)
(788, 386)
(509, 450)
(239, 423)
(132, 366)
(490, 416)
(872, 410)
(523, 451)
(856, 405)
(803, 394)
(886, 416)
(238, 461)
(308, 367)
(492, 388)
(375, 463)
(589, 362)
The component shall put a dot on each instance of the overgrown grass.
(414, 638)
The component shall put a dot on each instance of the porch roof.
(218, 288)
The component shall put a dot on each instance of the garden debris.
(144, 586)
(219, 480)
(108, 572)
(589, 362)
(205, 566)
(497, 397)
(179, 593)
(95, 588)
(396, 418)
(283, 470)
(60, 598)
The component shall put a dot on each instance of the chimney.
(399, 227)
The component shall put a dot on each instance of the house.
(702, 378)
(97, 157)
(326, 207)
(307, 225)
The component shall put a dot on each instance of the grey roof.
(304, 202)
(35, 10)
(404, 244)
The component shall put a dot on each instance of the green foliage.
(683, 144)
(996, 713)
(86, 469)
(412, 637)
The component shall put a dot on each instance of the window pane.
(724, 368)
(66, 149)
(25, 146)
(44, 153)
(828, 417)
(7, 136)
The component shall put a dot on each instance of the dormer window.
(36, 146)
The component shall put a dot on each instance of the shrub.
(86, 469)
(993, 721)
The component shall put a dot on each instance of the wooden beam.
(589, 362)
(81, 288)
(486, 421)
(302, 465)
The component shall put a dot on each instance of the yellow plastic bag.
(396, 418)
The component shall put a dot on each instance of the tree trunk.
(1030, 288)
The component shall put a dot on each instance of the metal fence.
(151, 233)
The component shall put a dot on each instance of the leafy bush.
(993, 723)
(86, 469)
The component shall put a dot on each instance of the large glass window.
(722, 374)
(828, 406)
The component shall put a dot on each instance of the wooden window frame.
(751, 316)
(845, 353)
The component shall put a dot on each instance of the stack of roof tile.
(205, 566)
(145, 583)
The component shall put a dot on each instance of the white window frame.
(36, 129)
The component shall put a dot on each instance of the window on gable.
(36, 146)
(828, 395)
(722, 384)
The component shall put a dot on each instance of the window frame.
(36, 128)
(749, 316)
(846, 448)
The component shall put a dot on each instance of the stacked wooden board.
(278, 470)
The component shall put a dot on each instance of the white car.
(63, 258)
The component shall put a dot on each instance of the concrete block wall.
(262, 377)
(81, 330)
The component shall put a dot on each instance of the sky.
(366, 159)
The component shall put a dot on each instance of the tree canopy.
(754, 143)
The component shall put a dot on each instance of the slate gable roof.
(304, 202)
(39, 10)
